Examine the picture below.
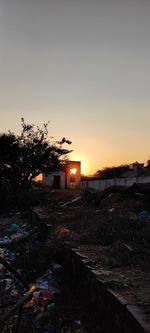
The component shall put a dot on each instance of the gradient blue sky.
(85, 66)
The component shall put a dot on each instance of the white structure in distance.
(69, 178)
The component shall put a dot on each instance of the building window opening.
(73, 171)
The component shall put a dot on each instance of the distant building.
(136, 166)
(69, 178)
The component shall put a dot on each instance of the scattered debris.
(144, 215)
(21, 299)
(70, 202)
(12, 270)
(111, 228)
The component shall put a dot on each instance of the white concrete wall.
(48, 179)
(65, 180)
(102, 184)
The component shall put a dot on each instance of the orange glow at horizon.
(85, 164)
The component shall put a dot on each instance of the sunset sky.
(85, 66)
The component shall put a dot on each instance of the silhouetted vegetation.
(148, 164)
(112, 172)
(25, 156)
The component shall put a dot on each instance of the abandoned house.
(69, 178)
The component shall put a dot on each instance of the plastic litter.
(111, 210)
(14, 292)
(42, 284)
(8, 283)
(50, 308)
(12, 228)
(144, 214)
(47, 295)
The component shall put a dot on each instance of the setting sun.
(73, 171)
(85, 169)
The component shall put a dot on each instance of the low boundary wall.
(102, 184)
(114, 314)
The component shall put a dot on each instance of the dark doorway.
(56, 182)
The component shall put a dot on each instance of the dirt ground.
(113, 231)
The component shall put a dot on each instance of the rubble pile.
(29, 302)
(120, 222)
(112, 229)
